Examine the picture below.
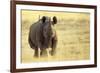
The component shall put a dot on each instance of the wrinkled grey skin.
(43, 36)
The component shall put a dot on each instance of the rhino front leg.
(44, 52)
(37, 52)
(53, 46)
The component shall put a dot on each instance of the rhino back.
(35, 33)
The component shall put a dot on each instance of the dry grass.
(73, 36)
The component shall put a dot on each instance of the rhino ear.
(54, 20)
(43, 19)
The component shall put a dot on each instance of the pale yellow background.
(73, 31)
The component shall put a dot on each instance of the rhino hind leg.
(36, 50)
(36, 53)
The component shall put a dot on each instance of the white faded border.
(58, 63)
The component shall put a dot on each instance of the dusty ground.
(72, 31)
